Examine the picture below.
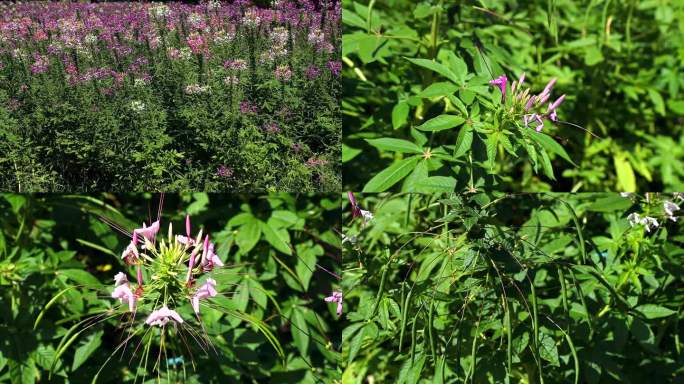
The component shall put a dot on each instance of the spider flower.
(208, 289)
(124, 294)
(336, 298)
(162, 316)
(501, 83)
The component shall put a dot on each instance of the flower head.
(124, 294)
(670, 209)
(336, 298)
(208, 289)
(162, 315)
(501, 83)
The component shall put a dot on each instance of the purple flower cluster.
(535, 109)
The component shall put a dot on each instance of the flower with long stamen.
(501, 83)
(147, 232)
(336, 297)
(162, 316)
(124, 294)
(208, 289)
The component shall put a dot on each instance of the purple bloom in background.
(336, 298)
(312, 72)
(247, 107)
(335, 67)
(40, 65)
(283, 73)
(271, 128)
(224, 171)
(501, 83)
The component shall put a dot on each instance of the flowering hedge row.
(134, 95)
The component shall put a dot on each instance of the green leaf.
(625, 174)
(436, 184)
(441, 123)
(653, 311)
(548, 350)
(395, 145)
(84, 351)
(549, 144)
(436, 67)
(464, 141)
(80, 276)
(657, 100)
(257, 292)
(677, 106)
(439, 89)
(400, 114)
(348, 153)
(306, 264)
(276, 238)
(248, 235)
(391, 175)
(592, 56)
(300, 331)
(610, 204)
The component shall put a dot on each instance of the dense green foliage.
(529, 288)
(140, 96)
(274, 248)
(418, 106)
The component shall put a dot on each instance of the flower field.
(168, 96)
(191, 288)
(526, 96)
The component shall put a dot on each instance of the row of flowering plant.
(213, 95)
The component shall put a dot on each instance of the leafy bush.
(423, 110)
(520, 288)
(267, 322)
(149, 96)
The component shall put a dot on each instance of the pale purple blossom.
(161, 316)
(336, 298)
(208, 289)
(148, 233)
(670, 209)
(124, 294)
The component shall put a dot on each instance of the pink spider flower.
(211, 259)
(130, 254)
(161, 316)
(501, 83)
(208, 289)
(124, 294)
(147, 232)
(336, 298)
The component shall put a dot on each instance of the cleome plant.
(435, 95)
(161, 308)
(258, 299)
(513, 288)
